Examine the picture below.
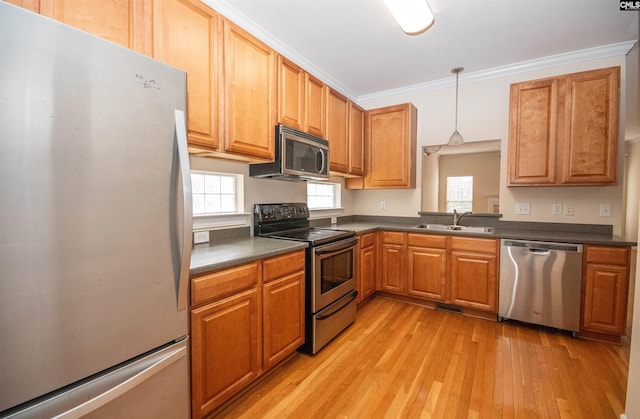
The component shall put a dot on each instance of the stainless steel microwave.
(298, 156)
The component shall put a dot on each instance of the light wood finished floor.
(406, 361)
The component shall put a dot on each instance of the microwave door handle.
(320, 159)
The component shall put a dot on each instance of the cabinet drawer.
(280, 266)
(427, 240)
(393, 237)
(473, 244)
(367, 240)
(222, 283)
(608, 255)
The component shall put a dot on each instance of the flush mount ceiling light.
(456, 138)
(413, 16)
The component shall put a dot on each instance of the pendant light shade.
(413, 16)
(456, 137)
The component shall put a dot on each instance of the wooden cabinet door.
(186, 36)
(392, 257)
(391, 151)
(392, 268)
(605, 289)
(315, 120)
(533, 132)
(125, 22)
(427, 270)
(283, 318)
(605, 299)
(338, 131)
(225, 349)
(291, 94)
(366, 272)
(590, 148)
(249, 94)
(356, 139)
(474, 280)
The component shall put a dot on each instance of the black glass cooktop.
(315, 236)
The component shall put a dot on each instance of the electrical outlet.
(605, 210)
(383, 205)
(200, 237)
(334, 220)
(556, 209)
(522, 208)
(568, 210)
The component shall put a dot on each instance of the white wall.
(483, 114)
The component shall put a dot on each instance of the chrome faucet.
(457, 217)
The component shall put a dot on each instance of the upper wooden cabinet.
(564, 130)
(302, 99)
(391, 147)
(249, 94)
(357, 120)
(338, 131)
(291, 94)
(186, 36)
(127, 23)
(315, 120)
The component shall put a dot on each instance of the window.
(459, 193)
(213, 193)
(323, 195)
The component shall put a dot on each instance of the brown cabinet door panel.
(283, 318)
(291, 90)
(392, 268)
(474, 280)
(605, 299)
(589, 154)
(338, 131)
(427, 273)
(225, 349)
(533, 130)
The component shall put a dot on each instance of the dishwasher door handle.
(541, 252)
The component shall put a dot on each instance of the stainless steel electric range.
(330, 285)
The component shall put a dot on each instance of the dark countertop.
(211, 257)
(539, 235)
(234, 251)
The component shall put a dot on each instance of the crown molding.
(621, 48)
(231, 13)
(224, 8)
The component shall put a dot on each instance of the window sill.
(315, 214)
(212, 221)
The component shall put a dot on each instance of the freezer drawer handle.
(122, 388)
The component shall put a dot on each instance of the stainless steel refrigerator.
(95, 236)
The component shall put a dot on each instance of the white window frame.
(203, 222)
(336, 210)
(459, 200)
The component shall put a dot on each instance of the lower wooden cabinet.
(474, 273)
(283, 318)
(462, 271)
(605, 289)
(366, 266)
(244, 320)
(427, 266)
(225, 349)
(392, 262)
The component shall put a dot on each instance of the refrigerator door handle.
(187, 220)
(125, 386)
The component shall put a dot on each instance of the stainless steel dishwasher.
(540, 283)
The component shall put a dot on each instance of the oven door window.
(335, 270)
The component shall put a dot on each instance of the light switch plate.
(605, 210)
(522, 208)
(556, 209)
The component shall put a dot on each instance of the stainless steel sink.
(462, 229)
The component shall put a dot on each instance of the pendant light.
(456, 138)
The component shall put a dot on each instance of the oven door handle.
(332, 248)
(324, 316)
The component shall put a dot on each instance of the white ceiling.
(360, 48)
